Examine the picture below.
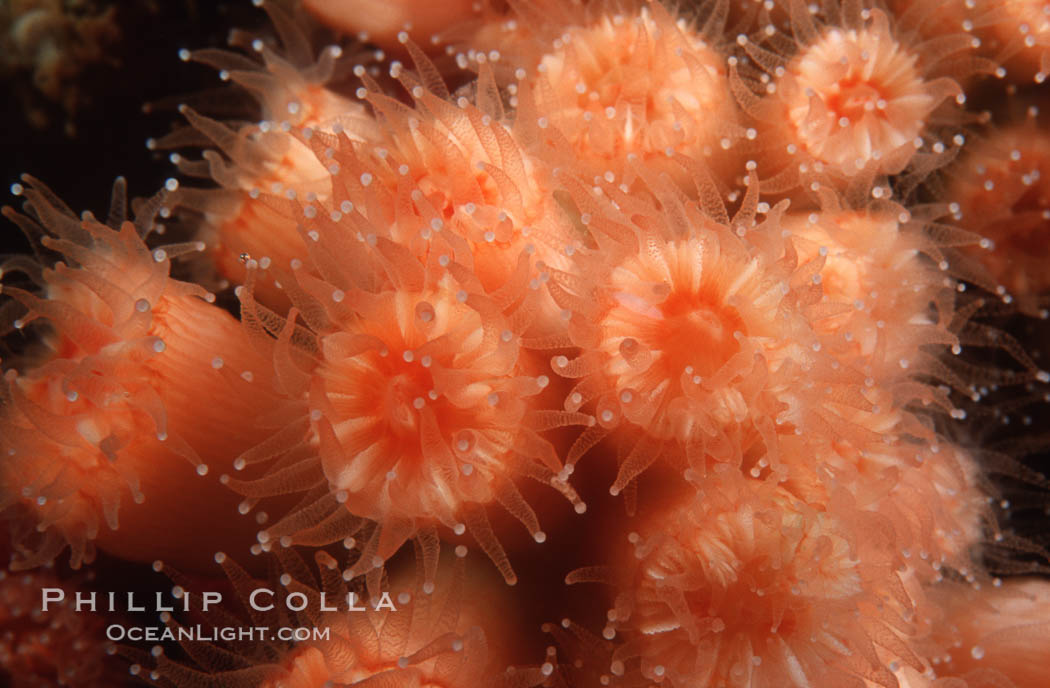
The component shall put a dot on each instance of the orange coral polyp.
(267, 172)
(453, 182)
(264, 166)
(71, 498)
(860, 254)
(1012, 218)
(859, 96)
(856, 96)
(688, 339)
(130, 354)
(118, 422)
(679, 314)
(633, 81)
(743, 585)
(425, 416)
(927, 492)
(412, 410)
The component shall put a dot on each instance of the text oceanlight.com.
(153, 634)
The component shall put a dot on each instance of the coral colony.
(713, 295)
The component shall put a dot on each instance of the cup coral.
(262, 166)
(1013, 219)
(655, 285)
(107, 411)
(854, 98)
(634, 79)
(746, 286)
(746, 588)
(415, 413)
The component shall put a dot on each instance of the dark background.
(109, 125)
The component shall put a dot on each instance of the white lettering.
(298, 596)
(210, 598)
(386, 603)
(51, 595)
(252, 602)
(85, 599)
(160, 604)
(131, 604)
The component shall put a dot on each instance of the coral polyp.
(631, 80)
(732, 307)
(395, 401)
(857, 98)
(1012, 219)
(453, 179)
(855, 257)
(682, 338)
(262, 166)
(872, 100)
(747, 587)
(79, 494)
(416, 412)
(105, 413)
